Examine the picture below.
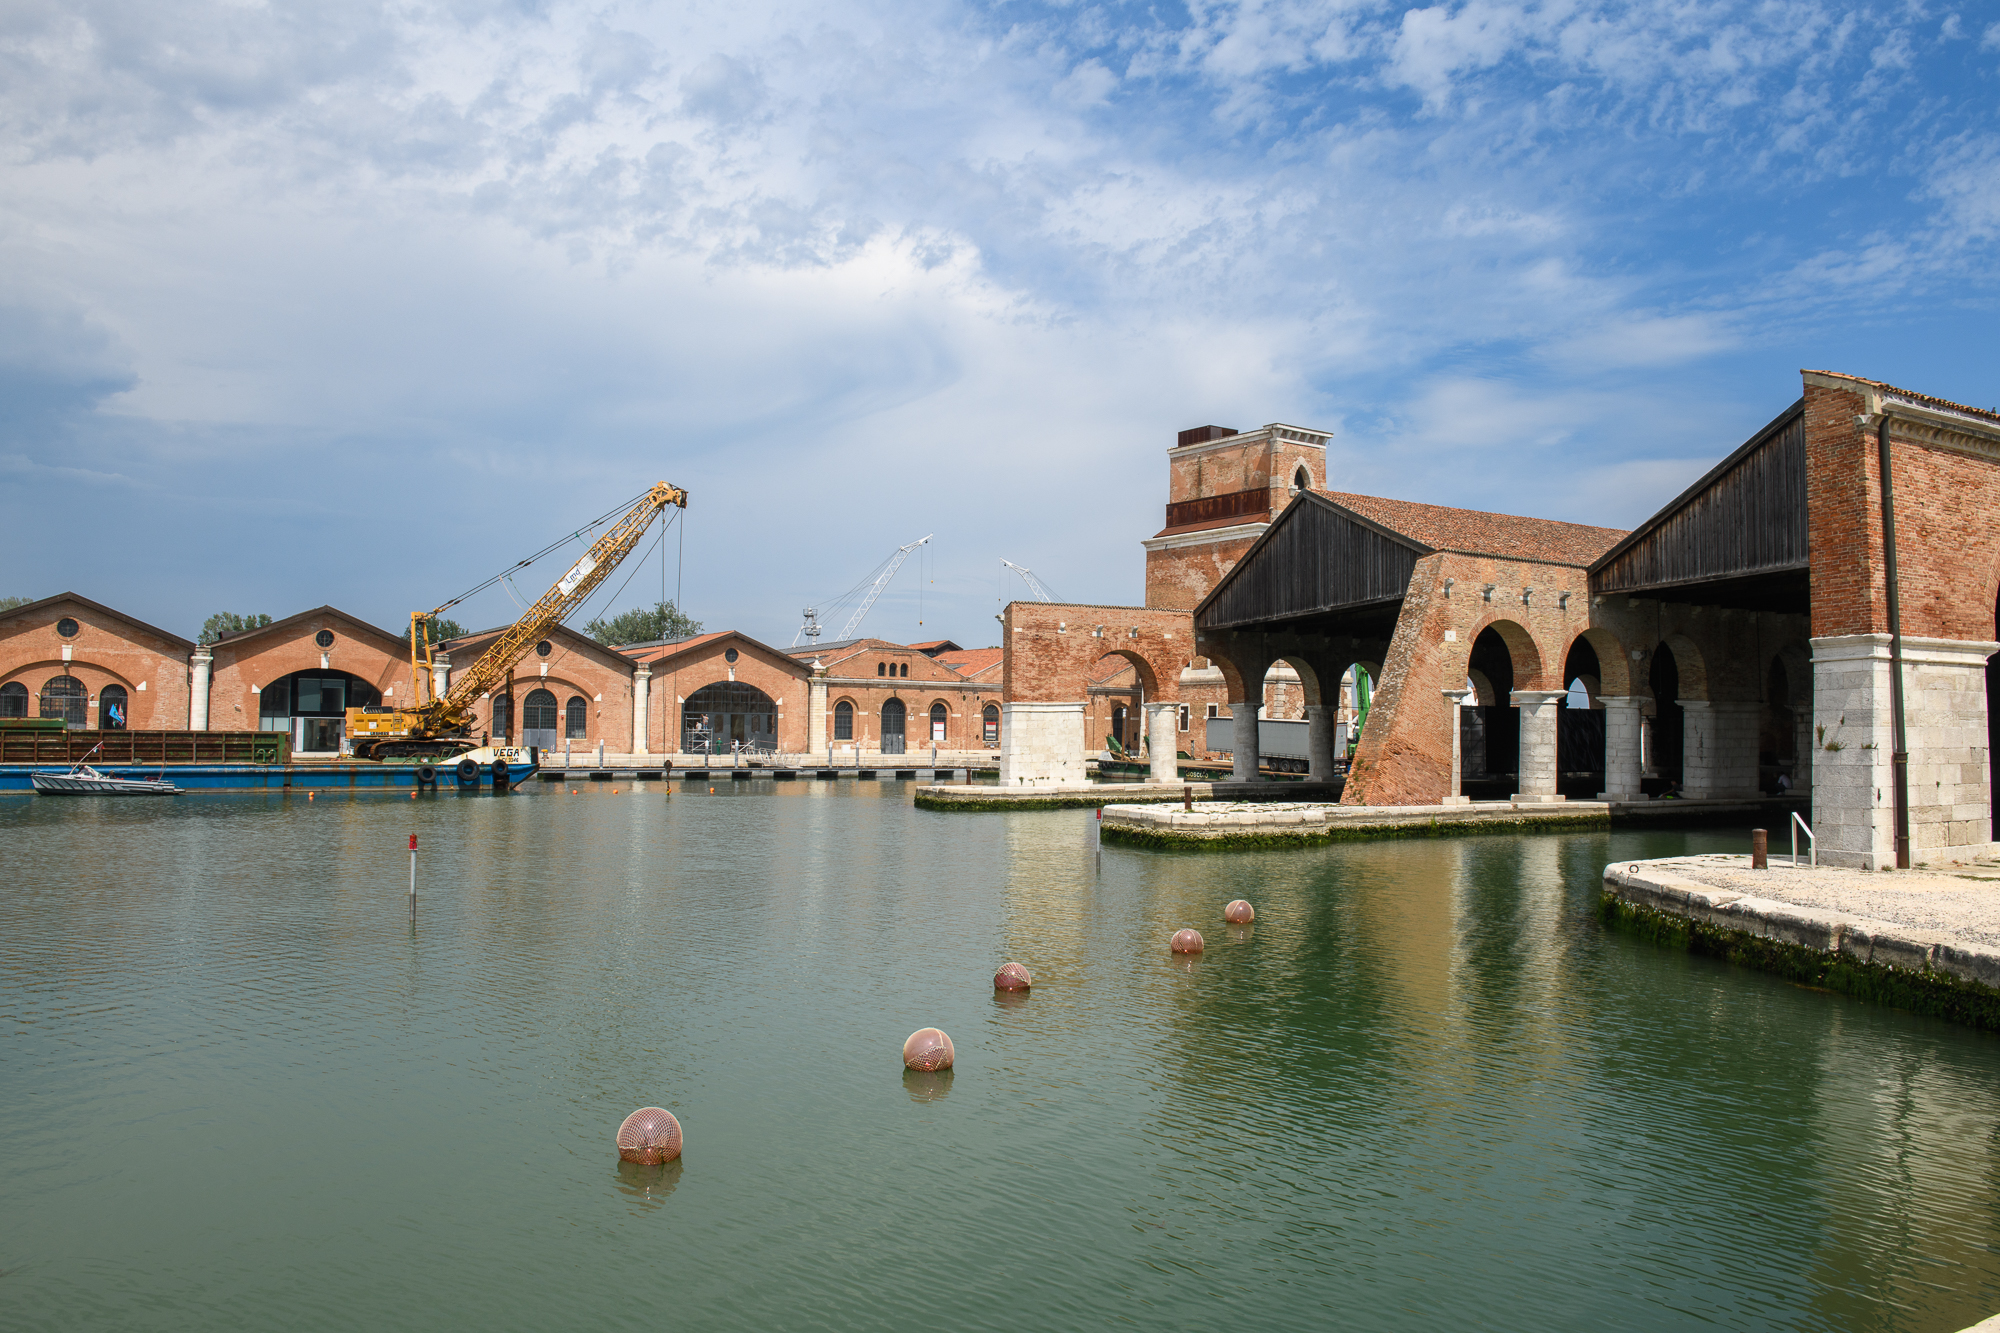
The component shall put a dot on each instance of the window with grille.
(843, 721)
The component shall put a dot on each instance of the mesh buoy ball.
(649, 1137)
(926, 1050)
(1188, 941)
(1239, 913)
(1012, 976)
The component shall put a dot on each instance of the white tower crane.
(812, 630)
(1035, 585)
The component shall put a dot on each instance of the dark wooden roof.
(1316, 557)
(1742, 523)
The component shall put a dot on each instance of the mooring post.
(1187, 798)
(1760, 846)
(413, 881)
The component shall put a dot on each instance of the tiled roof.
(1946, 403)
(970, 662)
(1475, 532)
(1261, 518)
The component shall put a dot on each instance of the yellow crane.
(436, 727)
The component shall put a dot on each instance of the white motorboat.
(83, 780)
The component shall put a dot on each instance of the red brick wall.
(677, 677)
(258, 658)
(1052, 654)
(107, 650)
(1179, 577)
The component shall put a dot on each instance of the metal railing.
(1812, 843)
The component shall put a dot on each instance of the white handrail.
(1811, 842)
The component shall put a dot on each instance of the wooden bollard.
(1760, 846)
(1187, 798)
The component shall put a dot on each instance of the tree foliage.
(443, 629)
(663, 621)
(228, 622)
(9, 603)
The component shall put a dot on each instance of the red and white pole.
(413, 881)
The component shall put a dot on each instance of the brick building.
(67, 656)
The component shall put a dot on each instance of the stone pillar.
(1457, 700)
(1802, 749)
(1162, 739)
(1944, 708)
(816, 710)
(1698, 779)
(1247, 745)
(1623, 722)
(1042, 744)
(203, 662)
(1320, 728)
(642, 690)
(1538, 743)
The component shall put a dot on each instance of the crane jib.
(576, 575)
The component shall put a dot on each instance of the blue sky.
(311, 302)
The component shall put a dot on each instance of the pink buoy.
(1012, 976)
(1188, 941)
(649, 1137)
(1239, 913)
(927, 1049)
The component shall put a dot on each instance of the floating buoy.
(413, 796)
(1239, 913)
(649, 1137)
(927, 1049)
(1188, 941)
(1012, 976)
(309, 796)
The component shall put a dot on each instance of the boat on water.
(83, 780)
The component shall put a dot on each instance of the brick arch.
(1309, 680)
(1525, 653)
(1148, 678)
(1049, 649)
(1614, 663)
(1690, 663)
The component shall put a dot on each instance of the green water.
(1426, 1090)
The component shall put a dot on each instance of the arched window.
(503, 717)
(843, 721)
(881, 668)
(576, 719)
(65, 697)
(113, 708)
(13, 699)
(538, 719)
(892, 727)
(939, 713)
(1302, 479)
(906, 670)
(990, 717)
(726, 716)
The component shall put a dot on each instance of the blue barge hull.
(278, 777)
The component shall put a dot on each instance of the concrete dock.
(1091, 795)
(1240, 824)
(1925, 940)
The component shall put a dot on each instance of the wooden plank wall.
(1314, 559)
(1749, 520)
(114, 748)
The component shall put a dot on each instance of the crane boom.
(417, 729)
(1035, 585)
(895, 563)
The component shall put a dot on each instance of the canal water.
(1425, 1090)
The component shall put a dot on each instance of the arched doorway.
(729, 716)
(538, 719)
(1490, 740)
(1667, 748)
(66, 698)
(940, 720)
(312, 706)
(1118, 726)
(843, 721)
(989, 717)
(1580, 725)
(893, 714)
(114, 710)
(13, 699)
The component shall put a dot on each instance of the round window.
(324, 638)
(66, 627)
(729, 656)
(542, 648)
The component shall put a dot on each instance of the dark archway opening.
(1664, 754)
(727, 717)
(1777, 738)
(894, 716)
(1490, 733)
(1580, 730)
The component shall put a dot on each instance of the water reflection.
(927, 1085)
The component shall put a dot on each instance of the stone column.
(1699, 776)
(1457, 699)
(816, 710)
(1245, 741)
(1622, 723)
(1802, 749)
(1162, 739)
(203, 662)
(1538, 743)
(1041, 744)
(1320, 728)
(642, 690)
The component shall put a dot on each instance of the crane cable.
(523, 564)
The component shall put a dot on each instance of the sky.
(360, 303)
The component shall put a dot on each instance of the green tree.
(228, 622)
(443, 629)
(664, 621)
(9, 603)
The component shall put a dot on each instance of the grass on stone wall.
(1933, 994)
